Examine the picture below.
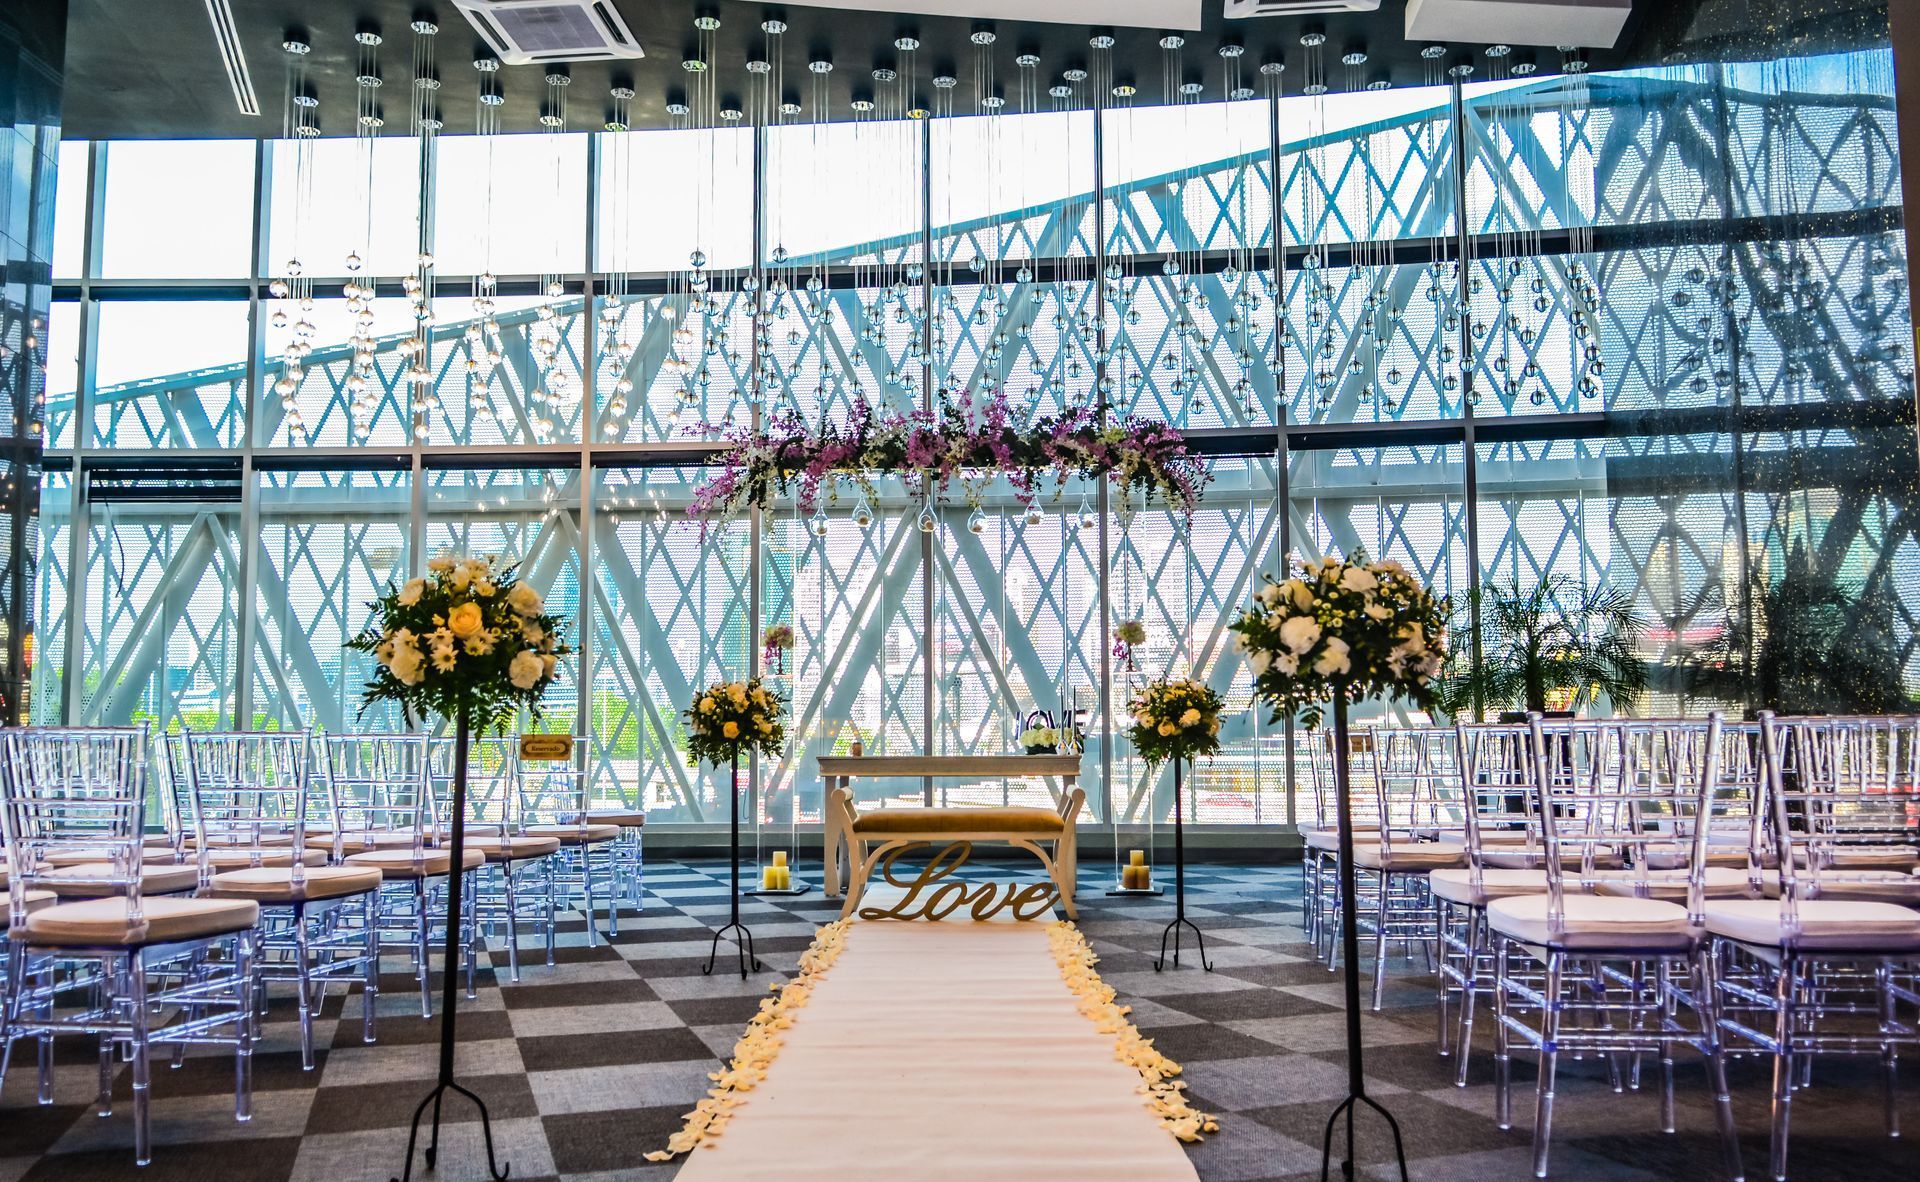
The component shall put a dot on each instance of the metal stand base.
(1180, 890)
(1348, 1107)
(1152, 892)
(497, 1172)
(798, 888)
(745, 942)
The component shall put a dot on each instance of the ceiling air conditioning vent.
(524, 32)
(1247, 9)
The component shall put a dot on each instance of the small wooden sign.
(546, 748)
(925, 900)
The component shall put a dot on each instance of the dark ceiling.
(151, 69)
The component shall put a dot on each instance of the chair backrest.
(1364, 798)
(176, 812)
(1615, 790)
(248, 795)
(75, 795)
(1416, 781)
(492, 795)
(553, 792)
(1499, 797)
(378, 785)
(1845, 801)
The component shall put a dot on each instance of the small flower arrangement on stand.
(1177, 721)
(775, 644)
(1040, 740)
(472, 644)
(725, 720)
(1127, 636)
(1344, 631)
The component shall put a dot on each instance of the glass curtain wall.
(1644, 332)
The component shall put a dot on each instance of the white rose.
(1270, 594)
(1259, 661)
(548, 663)
(525, 600)
(410, 594)
(408, 666)
(1287, 663)
(1359, 579)
(1300, 633)
(440, 564)
(1302, 595)
(1377, 611)
(1334, 659)
(526, 669)
(459, 577)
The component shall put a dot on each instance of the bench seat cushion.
(1014, 819)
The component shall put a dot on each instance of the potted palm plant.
(1554, 644)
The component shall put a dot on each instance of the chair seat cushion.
(624, 818)
(103, 922)
(361, 841)
(1012, 819)
(1534, 857)
(271, 884)
(1679, 855)
(1410, 855)
(151, 855)
(1882, 886)
(1832, 924)
(1722, 882)
(1880, 857)
(31, 901)
(1456, 885)
(154, 880)
(1328, 840)
(1594, 922)
(231, 859)
(575, 834)
(403, 863)
(514, 849)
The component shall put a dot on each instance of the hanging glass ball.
(1024, 275)
(818, 523)
(353, 262)
(1170, 267)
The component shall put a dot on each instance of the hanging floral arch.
(964, 442)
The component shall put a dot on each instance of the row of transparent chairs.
(315, 853)
(1634, 886)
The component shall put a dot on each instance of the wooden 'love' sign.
(928, 897)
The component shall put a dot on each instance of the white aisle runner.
(936, 1051)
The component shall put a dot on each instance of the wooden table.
(837, 770)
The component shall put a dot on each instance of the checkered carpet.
(589, 1064)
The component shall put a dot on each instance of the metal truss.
(1723, 433)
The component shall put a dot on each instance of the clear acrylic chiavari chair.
(1413, 771)
(1582, 972)
(1828, 964)
(249, 796)
(1322, 838)
(134, 971)
(554, 802)
(384, 818)
(515, 889)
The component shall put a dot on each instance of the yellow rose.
(731, 730)
(706, 705)
(1167, 728)
(465, 620)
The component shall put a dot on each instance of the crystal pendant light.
(863, 513)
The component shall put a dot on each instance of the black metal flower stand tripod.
(1350, 962)
(1180, 919)
(745, 942)
(449, 979)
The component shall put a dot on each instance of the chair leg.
(370, 987)
(552, 918)
(1889, 1048)
(1549, 1060)
(1667, 1016)
(1785, 995)
(507, 870)
(1707, 1005)
(16, 986)
(243, 1031)
(468, 884)
(1443, 1031)
(103, 1103)
(1469, 994)
(137, 1008)
(1502, 1079)
(1380, 912)
(303, 969)
(421, 950)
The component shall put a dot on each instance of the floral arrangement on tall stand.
(1177, 721)
(471, 643)
(1340, 632)
(726, 720)
(775, 643)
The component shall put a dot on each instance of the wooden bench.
(867, 838)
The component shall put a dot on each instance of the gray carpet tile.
(589, 1063)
